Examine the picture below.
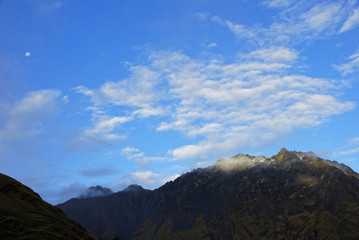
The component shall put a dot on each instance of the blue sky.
(138, 91)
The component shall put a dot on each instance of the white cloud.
(148, 112)
(274, 54)
(278, 3)
(43, 100)
(238, 29)
(351, 22)
(132, 153)
(101, 132)
(108, 124)
(27, 117)
(346, 152)
(201, 16)
(137, 91)
(248, 102)
(351, 66)
(248, 99)
(138, 94)
(353, 141)
(145, 178)
(139, 156)
(321, 16)
(65, 99)
(212, 45)
(206, 129)
(317, 105)
(191, 151)
(297, 22)
(351, 147)
(149, 179)
(84, 90)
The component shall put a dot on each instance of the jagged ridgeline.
(292, 195)
(24, 215)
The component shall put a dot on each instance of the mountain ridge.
(242, 161)
(291, 195)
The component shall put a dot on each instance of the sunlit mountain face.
(292, 195)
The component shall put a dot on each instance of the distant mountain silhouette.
(24, 215)
(292, 195)
(97, 191)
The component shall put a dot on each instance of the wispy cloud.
(212, 45)
(351, 22)
(149, 179)
(84, 90)
(239, 30)
(105, 126)
(136, 96)
(351, 66)
(274, 54)
(278, 3)
(351, 147)
(320, 17)
(26, 118)
(299, 21)
(139, 156)
(102, 132)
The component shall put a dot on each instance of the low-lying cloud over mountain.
(97, 191)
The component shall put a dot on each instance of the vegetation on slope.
(24, 215)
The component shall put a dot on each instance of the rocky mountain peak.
(240, 161)
(96, 191)
(244, 161)
(133, 188)
(285, 155)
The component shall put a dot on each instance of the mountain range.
(292, 195)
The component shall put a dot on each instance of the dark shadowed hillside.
(116, 215)
(292, 195)
(24, 215)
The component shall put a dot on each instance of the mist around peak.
(284, 158)
(133, 188)
(96, 191)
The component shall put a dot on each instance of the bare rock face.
(292, 195)
(24, 215)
